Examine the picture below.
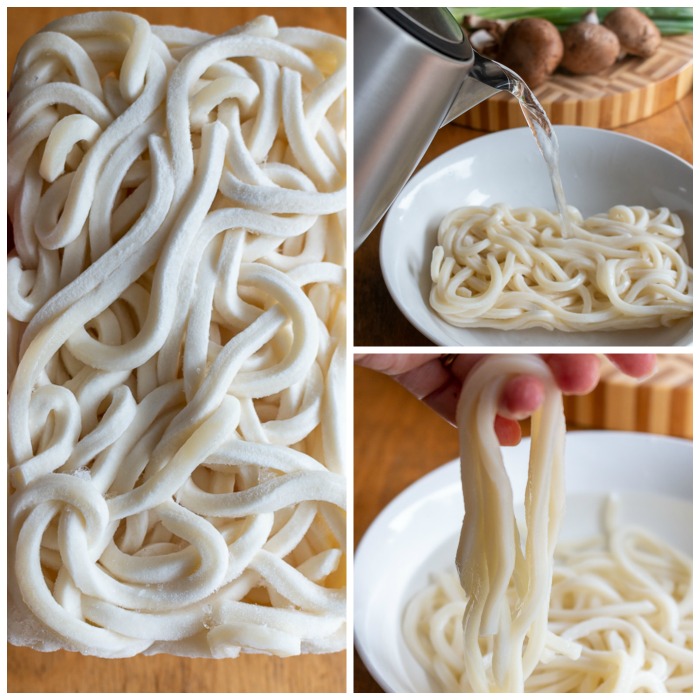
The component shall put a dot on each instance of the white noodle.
(609, 614)
(497, 267)
(177, 320)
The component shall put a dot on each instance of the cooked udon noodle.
(609, 614)
(177, 339)
(497, 267)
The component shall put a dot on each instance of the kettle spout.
(484, 80)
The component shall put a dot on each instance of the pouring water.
(499, 77)
(414, 72)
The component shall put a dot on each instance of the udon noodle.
(612, 613)
(497, 267)
(177, 339)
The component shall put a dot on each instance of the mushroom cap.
(589, 48)
(638, 35)
(533, 48)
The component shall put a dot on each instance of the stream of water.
(543, 132)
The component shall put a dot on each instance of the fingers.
(444, 399)
(431, 379)
(393, 364)
(508, 431)
(425, 376)
(444, 396)
(521, 397)
(428, 379)
(440, 387)
(637, 366)
(574, 374)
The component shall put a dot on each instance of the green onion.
(670, 20)
(677, 13)
(669, 27)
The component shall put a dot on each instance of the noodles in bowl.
(508, 268)
(599, 169)
(609, 644)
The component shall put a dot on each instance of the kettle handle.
(484, 80)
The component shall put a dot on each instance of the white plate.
(417, 532)
(599, 169)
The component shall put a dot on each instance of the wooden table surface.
(22, 22)
(31, 671)
(397, 440)
(378, 321)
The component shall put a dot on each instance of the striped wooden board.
(662, 404)
(633, 89)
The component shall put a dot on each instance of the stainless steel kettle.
(414, 72)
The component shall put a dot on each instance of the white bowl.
(417, 533)
(599, 169)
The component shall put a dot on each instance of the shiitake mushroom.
(637, 34)
(589, 48)
(533, 48)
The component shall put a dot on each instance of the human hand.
(438, 379)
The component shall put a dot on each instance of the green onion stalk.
(669, 20)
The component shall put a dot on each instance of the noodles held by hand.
(609, 614)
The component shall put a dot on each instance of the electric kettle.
(414, 72)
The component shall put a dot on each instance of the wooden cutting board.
(631, 90)
(662, 404)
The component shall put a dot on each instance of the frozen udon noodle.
(611, 613)
(177, 339)
(498, 267)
